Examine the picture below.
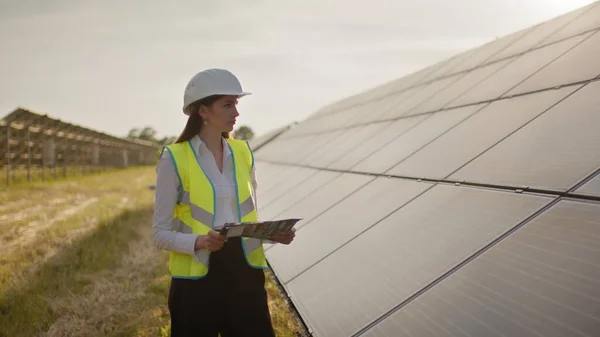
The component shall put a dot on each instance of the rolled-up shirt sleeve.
(165, 199)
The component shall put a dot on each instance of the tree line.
(148, 133)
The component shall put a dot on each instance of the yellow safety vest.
(195, 210)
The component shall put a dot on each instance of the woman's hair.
(195, 121)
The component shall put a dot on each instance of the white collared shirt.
(167, 193)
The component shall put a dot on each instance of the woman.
(206, 179)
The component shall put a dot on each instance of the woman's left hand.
(285, 238)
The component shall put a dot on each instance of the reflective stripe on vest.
(195, 211)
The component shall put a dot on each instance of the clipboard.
(258, 230)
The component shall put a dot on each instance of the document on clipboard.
(258, 230)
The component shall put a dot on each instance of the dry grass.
(19, 176)
(128, 301)
(283, 323)
(76, 259)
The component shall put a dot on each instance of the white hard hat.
(211, 82)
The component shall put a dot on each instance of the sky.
(113, 65)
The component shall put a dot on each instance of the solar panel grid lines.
(449, 62)
(514, 73)
(342, 234)
(292, 177)
(280, 274)
(463, 85)
(587, 21)
(510, 41)
(422, 94)
(388, 104)
(518, 54)
(297, 191)
(507, 96)
(314, 146)
(326, 142)
(360, 152)
(541, 280)
(576, 65)
(462, 182)
(348, 144)
(311, 146)
(461, 200)
(456, 267)
(268, 170)
(393, 87)
(508, 117)
(406, 125)
(483, 53)
(327, 196)
(558, 163)
(538, 34)
(277, 149)
(414, 139)
(360, 280)
(448, 68)
(488, 61)
(590, 186)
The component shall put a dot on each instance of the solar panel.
(321, 199)
(318, 148)
(386, 107)
(410, 141)
(418, 96)
(451, 151)
(592, 187)
(466, 82)
(294, 193)
(310, 126)
(436, 204)
(309, 148)
(315, 150)
(346, 143)
(555, 151)
(345, 119)
(543, 280)
(375, 142)
(324, 234)
(272, 172)
(448, 67)
(412, 247)
(275, 151)
(402, 104)
(588, 18)
(324, 123)
(515, 72)
(579, 64)
(540, 34)
(483, 54)
(279, 185)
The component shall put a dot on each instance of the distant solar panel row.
(462, 200)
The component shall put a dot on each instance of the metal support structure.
(34, 143)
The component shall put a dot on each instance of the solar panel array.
(461, 200)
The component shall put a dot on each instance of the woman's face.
(222, 114)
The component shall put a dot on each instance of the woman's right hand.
(213, 241)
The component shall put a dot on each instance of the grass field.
(77, 259)
(19, 175)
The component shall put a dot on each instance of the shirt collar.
(199, 146)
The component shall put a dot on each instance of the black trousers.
(230, 300)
